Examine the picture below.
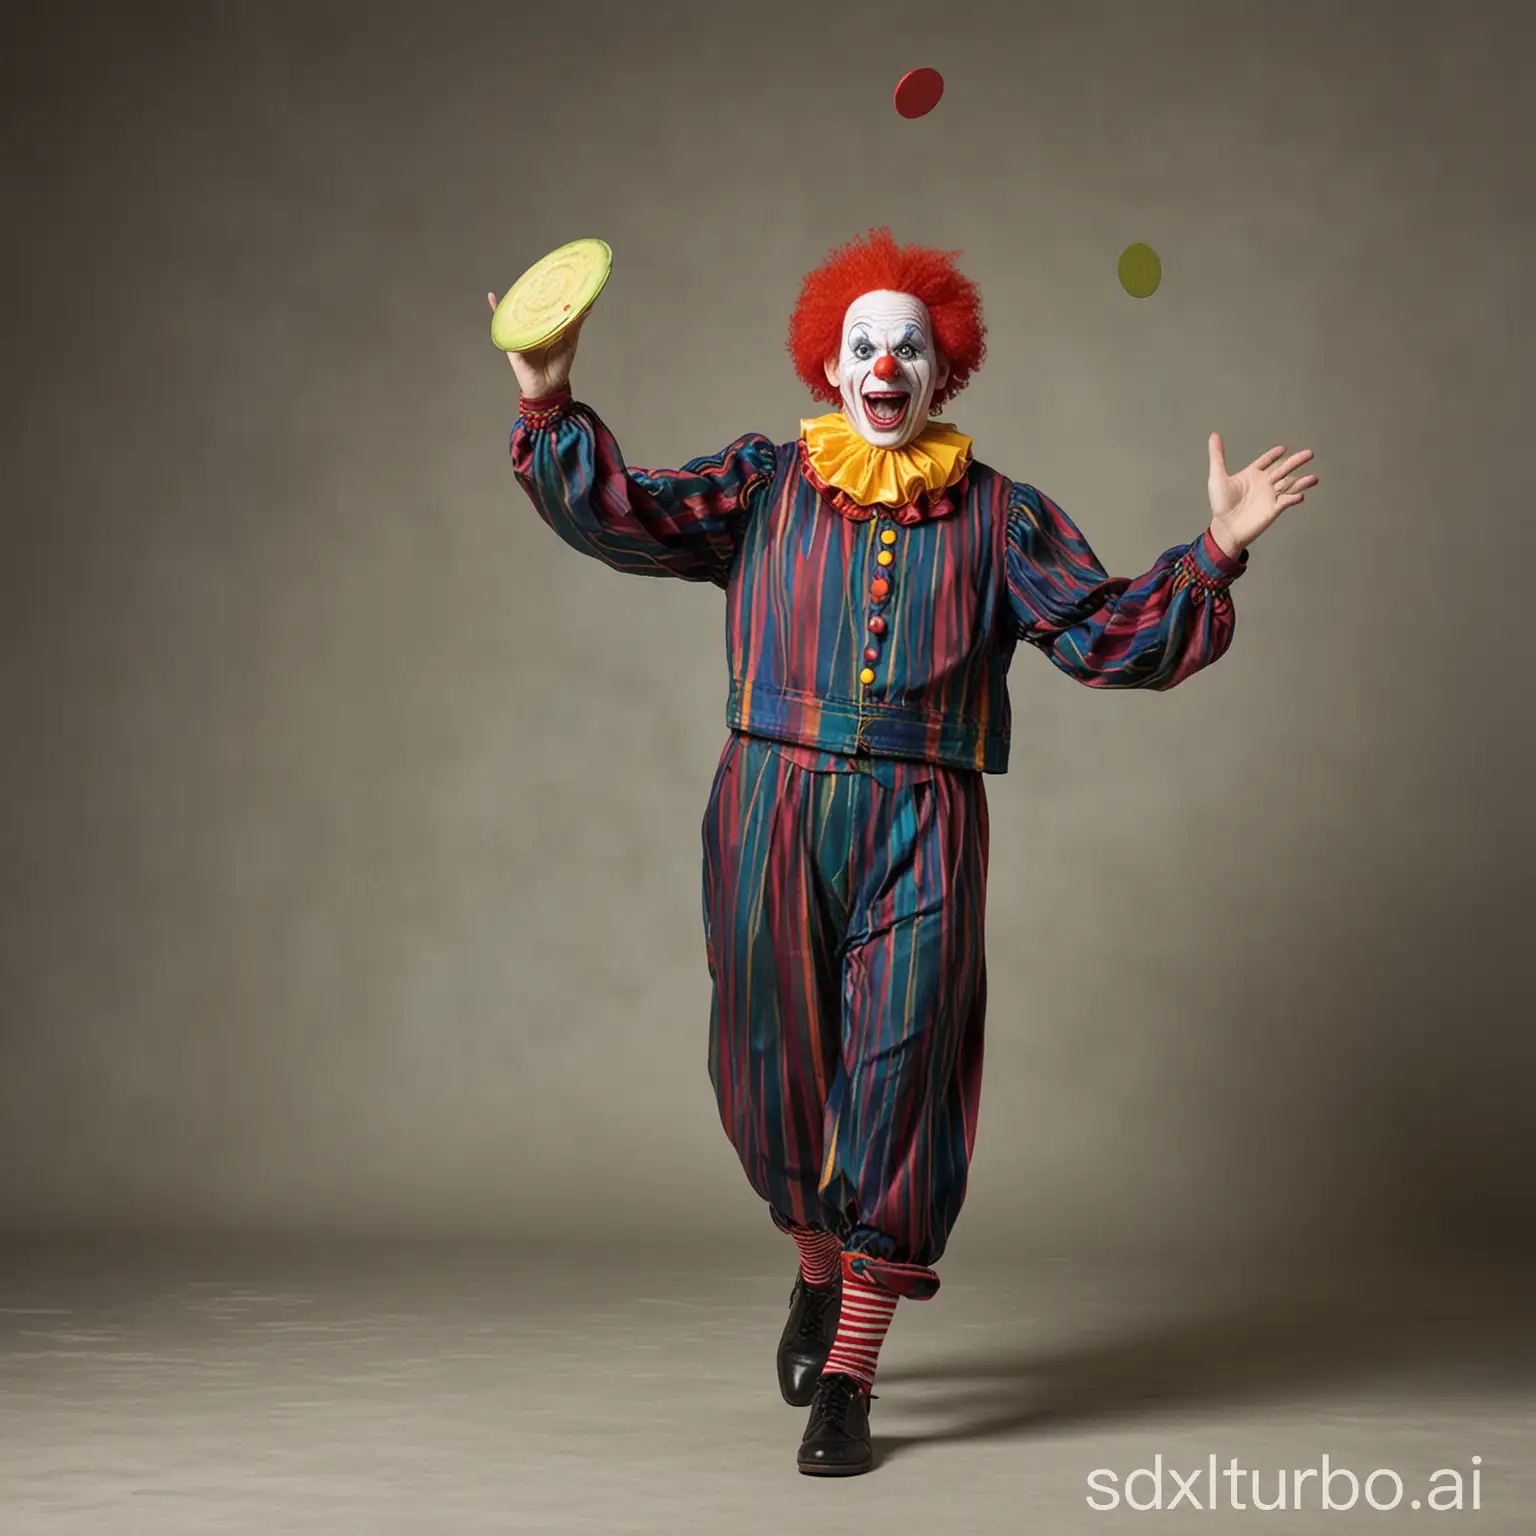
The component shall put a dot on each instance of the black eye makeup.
(909, 349)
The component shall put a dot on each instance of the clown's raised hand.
(547, 370)
(1245, 504)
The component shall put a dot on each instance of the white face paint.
(889, 368)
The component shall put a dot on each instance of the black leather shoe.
(807, 1339)
(836, 1442)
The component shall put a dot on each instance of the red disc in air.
(918, 92)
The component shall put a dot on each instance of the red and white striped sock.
(861, 1328)
(821, 1256)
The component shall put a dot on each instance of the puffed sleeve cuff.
(536, 411)
(1207, 568)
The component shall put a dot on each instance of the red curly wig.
(877, 262)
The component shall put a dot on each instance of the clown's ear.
(833, 372)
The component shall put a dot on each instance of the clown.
(878, 579)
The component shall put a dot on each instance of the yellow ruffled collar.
(886, 477)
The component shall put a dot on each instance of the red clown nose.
(885, 367)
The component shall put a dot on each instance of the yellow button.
(885, 557)
(867, 675)
(889, 536)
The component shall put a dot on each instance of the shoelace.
(816, 1307)
(835, 1397)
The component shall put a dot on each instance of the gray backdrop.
(351, 821)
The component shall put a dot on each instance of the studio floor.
(173, 1388)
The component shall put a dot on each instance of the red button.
(871, 654)
(877, 625)
(879, 587)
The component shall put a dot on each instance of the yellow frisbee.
(552, 294)
(1141, 270)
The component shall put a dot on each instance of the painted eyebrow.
(860, 332)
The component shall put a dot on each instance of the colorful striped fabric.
(889, 771)
(845, 844)
(844, 929)
(816, 658)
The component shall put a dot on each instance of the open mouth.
(886, 408)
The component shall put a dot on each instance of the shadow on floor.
(1258, 1349)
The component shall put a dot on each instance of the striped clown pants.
(843, 917)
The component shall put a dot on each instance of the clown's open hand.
(547, 370)
(1245, 504)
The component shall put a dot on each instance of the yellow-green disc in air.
(1140, 271)
(553, 293)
